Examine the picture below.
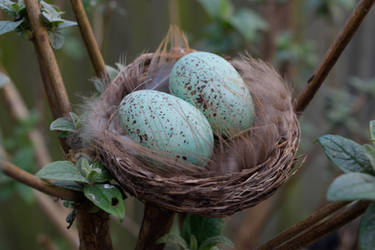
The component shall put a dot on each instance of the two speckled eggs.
(207, 92)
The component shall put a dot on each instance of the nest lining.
(244, 169)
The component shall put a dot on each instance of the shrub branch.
(333, 54)
(57, 89)
(32, 181)
(301, 226)
(89, 38)
(319, 230)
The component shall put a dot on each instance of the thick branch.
(94, 231)
(156, 223)
(89, 38)
(34, 182)
(333, 54)
(48, 59)
(298, 228)
(318, 231)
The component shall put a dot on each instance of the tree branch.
(318, 231)
(89, 38)
(30, 180)
(53, 209)
(47, 58)
(301, 226)
(333, 54)
(156, 223)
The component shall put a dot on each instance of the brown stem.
(56, 213)
(30, 180)
(54, 210)
(314, 218)
(94, 231)
(48, 59)
(318, 231)
(89, 38)
(156, 223)
(56, 89)
(333, 54)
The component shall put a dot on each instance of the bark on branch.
(333, 54)
(89, 38)
(30, 180)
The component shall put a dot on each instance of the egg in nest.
(212, 84)
(168, 124)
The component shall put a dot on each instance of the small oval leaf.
(9, 26)
(61, 171)
(351, 187)
(174, 239)
(62, 124)
(107, 197)
(345, 154)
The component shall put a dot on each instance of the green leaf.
(372, 131)
(62, 124)
(98, 84)
(173, 239)
(215, 240)
(93, 171)
(56, 39)
(193, 243)
(367, 229)
(66, 24)
(8, 26)
(77, 122)
(71, 185)
(345, 154)
(107, 197)
(112, 72)
(351, 187)
(62, 171)
(370, 152)
(217, 9)
(4, 79)
(7, 7)
(248, 23)
(201, 227)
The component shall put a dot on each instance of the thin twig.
(30, 180)
(89, 38)
(314, 218)
(333, 54)
(48, 59)
(318, 231)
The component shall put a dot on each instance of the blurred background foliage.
(291, 35)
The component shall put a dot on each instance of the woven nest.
(244, 169)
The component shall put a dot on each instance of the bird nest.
(244, 170)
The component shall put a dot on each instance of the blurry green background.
(291, 35)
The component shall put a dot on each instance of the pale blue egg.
(213, 85)
(161, 121)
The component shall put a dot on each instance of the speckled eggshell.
(161, 121)
(212, 84)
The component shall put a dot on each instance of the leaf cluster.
(51, 18)
(198, 233)
(358, 181)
